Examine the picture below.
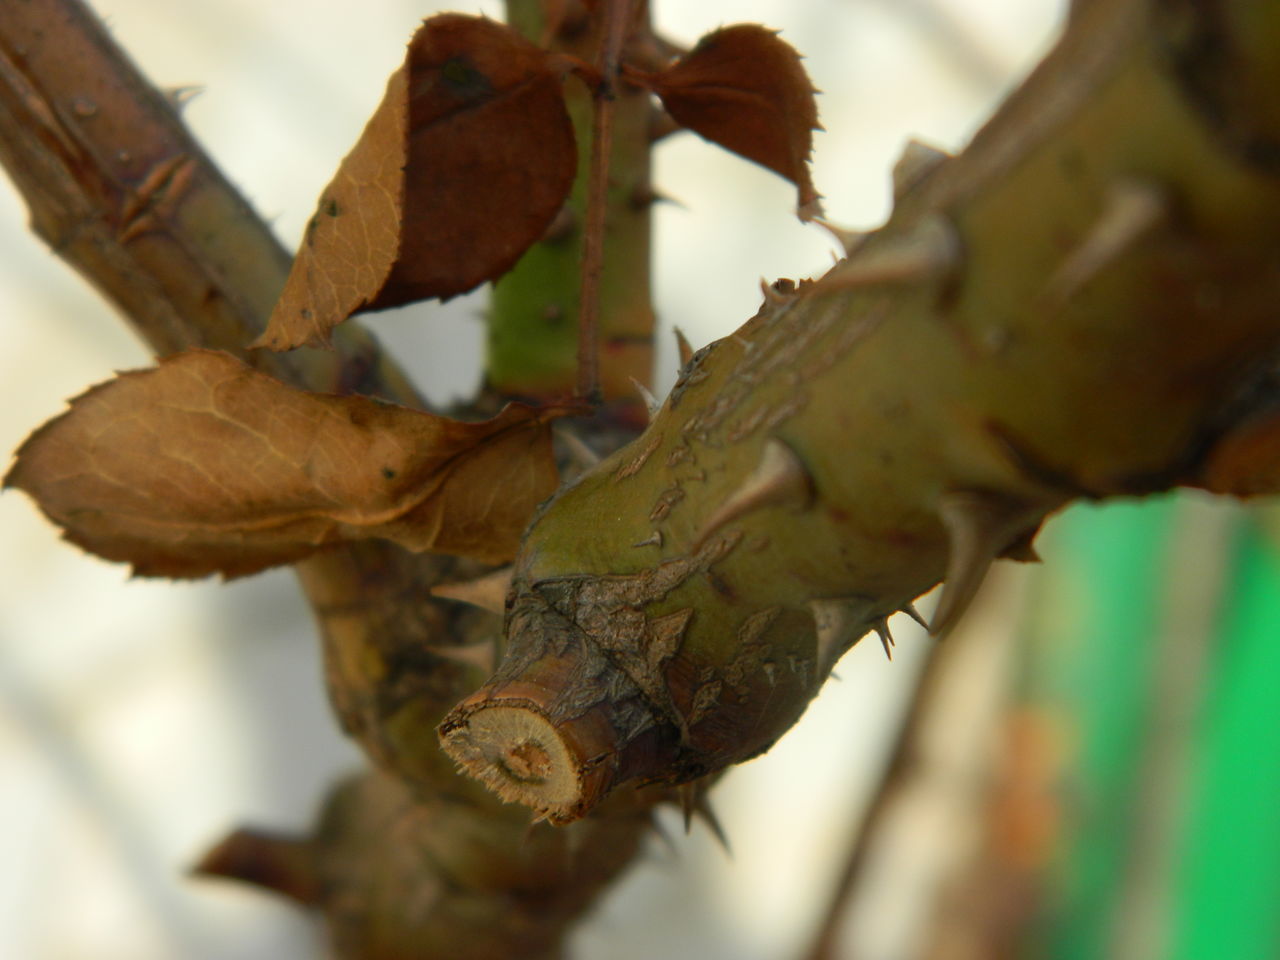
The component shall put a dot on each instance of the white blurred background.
(141, 720)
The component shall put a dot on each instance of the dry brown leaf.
(462, 167)
(1246, 462)
(203, 465)
(744, 89)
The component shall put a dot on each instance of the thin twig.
(617, 19)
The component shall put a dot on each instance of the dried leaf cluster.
(202, 465)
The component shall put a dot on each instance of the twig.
(617, 18)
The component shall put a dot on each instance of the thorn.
(180, 96)
(683, 347)
(482, 655)
(584, 458)
(849, 240)
(488, 592)
(1023, 550)
(693, 802)
(778, 478)
(688, 800)
(910, 610)
(928, 253)
(780, 291)
(917, 161)
(979, 526)
(838, 624)
(650, 401)
(881, 627)
(287, 865)
(1130, 210)
(663, 834)
(654, 540)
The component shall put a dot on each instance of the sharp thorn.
(584, 458)
(683, 347)
(482, 655)
(654, 540)
(779, 478)
(780, 291)
(838, 624)
(979, 526)
(663, 834)
(688, 803)
(910, 610)
(650, 401)
(488, 592)
(881, 628)
(286, 865)
(708, 816)
(917, 161)
(180, 96)
(849, 240)
(1130, 210)
(930, 252)
(693, 802)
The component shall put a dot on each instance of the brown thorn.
(584, 458)
(693, 802)
(488, 592)
(780, 291)
(910, 610)
(881, 627)
(849, 240)
(482, 655)
(286, 865)
(1131, 209)
(663, 834)
(182, 95)
(838, 624)
(979, 526)
(650, 401)
(917, 161)
(683, 348)
(688, 802)
(778, 478)
(930, 252)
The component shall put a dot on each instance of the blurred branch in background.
(730, 909)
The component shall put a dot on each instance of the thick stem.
(119, 189)
(1019, 334)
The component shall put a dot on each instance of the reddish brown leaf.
(463, 166)
(744, 89)
(203, 465)
(1246, 462)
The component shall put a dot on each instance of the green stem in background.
(534, 318)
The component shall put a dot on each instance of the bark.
(118, 188)
(1080, 305)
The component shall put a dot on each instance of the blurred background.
(1067, 792)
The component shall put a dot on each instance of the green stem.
(534, 320)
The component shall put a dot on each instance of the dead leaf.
(744, 89)
(462, 167)
(203, 465)
(1246, 461)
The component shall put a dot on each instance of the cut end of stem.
(520, 754)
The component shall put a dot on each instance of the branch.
(118, 188)
(1080, 305)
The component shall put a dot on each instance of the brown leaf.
(744, 89)
(462, 167)
(1246, 462)
(203, 465)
